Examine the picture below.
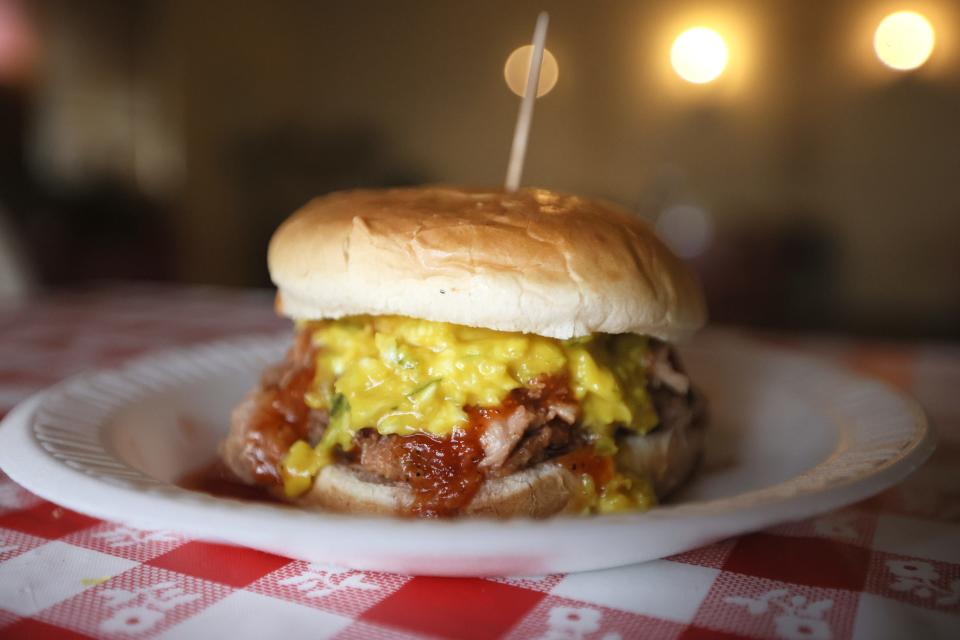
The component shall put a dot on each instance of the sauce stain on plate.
(217, 480)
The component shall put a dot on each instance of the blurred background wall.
(813, 187)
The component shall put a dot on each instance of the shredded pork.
(501, 436)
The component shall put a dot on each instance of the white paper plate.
(789, 438)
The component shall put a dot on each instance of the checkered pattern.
(885, 568)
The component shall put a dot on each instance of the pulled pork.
(533, 424)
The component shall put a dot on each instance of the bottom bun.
(537, 492)
(666, 456)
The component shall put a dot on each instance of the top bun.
(533, 261)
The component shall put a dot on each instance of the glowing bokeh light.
(687, 228)
(699, 55)
(19, 43)
(904, 40)
(517, 68)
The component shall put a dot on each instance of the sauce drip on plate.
(217, 480)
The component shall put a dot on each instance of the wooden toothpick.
(520, 135)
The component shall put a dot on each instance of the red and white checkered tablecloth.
(885, 568)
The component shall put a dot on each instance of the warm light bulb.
(517, 69)
(699, 55)
(904, 40)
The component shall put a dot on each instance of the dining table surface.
(887, 567)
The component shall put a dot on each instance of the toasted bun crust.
(532, 261)
(667, 457)
(537, 492)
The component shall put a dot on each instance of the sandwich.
(469, 352)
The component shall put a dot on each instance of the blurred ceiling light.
(517, 68)
(904, 40)
(699, 55)
(687, 228)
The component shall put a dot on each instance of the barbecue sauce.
(586, 461)
(443, 473)
(217, 480)
(282, 416)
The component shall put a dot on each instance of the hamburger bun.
(537, 492)
(532, 261)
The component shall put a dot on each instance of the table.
(885, 568)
